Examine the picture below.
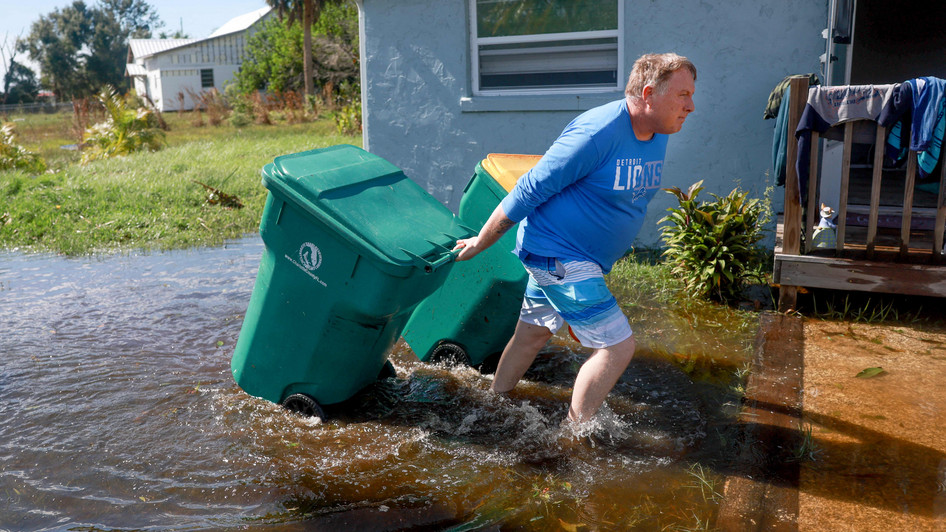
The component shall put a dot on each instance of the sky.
(199, 17)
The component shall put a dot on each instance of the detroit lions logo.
(638, 177)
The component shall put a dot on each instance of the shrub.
(124, 130)
(240, 119)
(348, 115)
(16, 157)
(213, 103)
(711, 246)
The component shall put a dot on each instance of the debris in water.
(218, 197)
(870, 372)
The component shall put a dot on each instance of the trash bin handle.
(427, 265)
(447, 257)
(448, 254)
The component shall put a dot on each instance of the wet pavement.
(877, 458)
(831, 442)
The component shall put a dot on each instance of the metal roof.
(148, 47)
(134, 69)
(241, 22)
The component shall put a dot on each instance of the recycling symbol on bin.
(309, 256)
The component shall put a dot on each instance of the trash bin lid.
(369, 202)
(507, 168)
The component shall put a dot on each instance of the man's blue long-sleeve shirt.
(587, 197)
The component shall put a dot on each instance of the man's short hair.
(655, 70)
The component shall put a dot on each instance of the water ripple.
(117, 410)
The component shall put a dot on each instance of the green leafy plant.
(348, 116)
(124, 130)
(16, 157)
(711, 246)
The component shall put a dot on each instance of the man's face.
(670, 108)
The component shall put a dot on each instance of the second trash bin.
(474, 313)
(351, 246)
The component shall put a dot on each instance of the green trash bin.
(351, 245)
(474, 313)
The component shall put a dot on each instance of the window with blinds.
(546, 45)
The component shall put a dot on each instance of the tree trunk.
(308, 18)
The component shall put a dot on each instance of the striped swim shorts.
(573, 292)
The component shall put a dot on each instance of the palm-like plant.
(16, 157)
(308, 12)
(712, 245)
(124, 130)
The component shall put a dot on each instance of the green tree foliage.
(80, 49)
(274, 55)
(272, 60)
(54, 42)
(335, 44)
(124, 130)
(711, 246)
(137, 18)
(106, 65)
(307, 12)
(178, 34)
(19, 84)
(16, 157)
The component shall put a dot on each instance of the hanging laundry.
(928, 94)
(918, 104)
(830, 106)
(777, 108)
(779, 95)
(780, 138)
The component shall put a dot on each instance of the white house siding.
(177, 70)
(420, 113)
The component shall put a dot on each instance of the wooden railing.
(919, 243)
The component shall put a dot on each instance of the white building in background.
(168, 70)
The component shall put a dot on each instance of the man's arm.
(494, 228)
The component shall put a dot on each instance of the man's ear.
(647, 93)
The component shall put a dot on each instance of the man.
(580, 209)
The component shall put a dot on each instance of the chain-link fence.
(36, 107)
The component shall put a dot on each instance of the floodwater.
(118, 412)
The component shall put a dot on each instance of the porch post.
(791, 233)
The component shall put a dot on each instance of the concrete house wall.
(420, 112)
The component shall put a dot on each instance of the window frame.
(201, 72)
(475, 43)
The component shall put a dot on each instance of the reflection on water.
(117, 410)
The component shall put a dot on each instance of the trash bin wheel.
(303, 405)
(450, 354)
(387, 371)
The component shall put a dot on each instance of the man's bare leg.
(596, 378)
(519, 354)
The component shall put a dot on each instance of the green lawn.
(146, 200)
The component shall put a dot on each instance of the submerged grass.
(674, 322)
(866, 307)
(152, 200)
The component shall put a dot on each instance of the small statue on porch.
(825, 233)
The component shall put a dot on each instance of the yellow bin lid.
(507, 168)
